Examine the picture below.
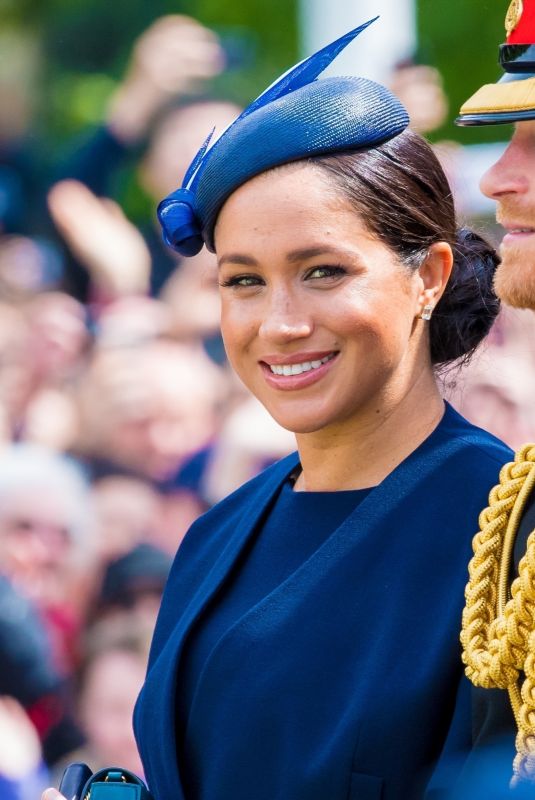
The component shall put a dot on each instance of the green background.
(84, 46)
(461, 38)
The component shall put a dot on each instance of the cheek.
(378, 346)
(238, 327)
(379, 319)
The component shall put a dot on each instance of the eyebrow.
(311, 252)
(293, 257)
(237, 258)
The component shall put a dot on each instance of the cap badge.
(512, 18)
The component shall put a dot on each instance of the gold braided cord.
(498, 631)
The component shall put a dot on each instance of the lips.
(515, 234)
(298, 370)
(516, 227)
(300, 367)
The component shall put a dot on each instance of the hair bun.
(469, 305)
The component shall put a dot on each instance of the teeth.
(297, 369)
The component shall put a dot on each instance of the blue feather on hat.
(296, 117)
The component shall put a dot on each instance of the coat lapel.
(155, 710)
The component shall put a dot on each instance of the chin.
(514, 281)
(298, 422)
(298, 426)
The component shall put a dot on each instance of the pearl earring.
(426, 313)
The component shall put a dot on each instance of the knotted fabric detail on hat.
(180, 225)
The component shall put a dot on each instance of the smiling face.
(511, 182)
(319, 317)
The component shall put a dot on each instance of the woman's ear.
(434, 274)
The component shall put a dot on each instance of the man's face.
(511, 182)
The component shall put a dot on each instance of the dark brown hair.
(401, 192)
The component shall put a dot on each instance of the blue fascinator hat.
(296, 117)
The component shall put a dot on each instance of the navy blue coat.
(341, 684)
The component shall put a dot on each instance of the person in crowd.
(156, 102)
(132, 585)
(122, 260)
(146, 409)
(58, 348)
(148, 406)
(421, 90)
(109, 677)
(45, 539)
(22, 771)
(496, 388)
(58, 337)
(499, 621)
(27, 267)
(27, 670)
(248, 441)
(127, 513)
(15, 372)
(109, 247)
(307, 642)
(174, 57)
(30, 679)
(43, 343)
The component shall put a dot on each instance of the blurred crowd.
(120, 420)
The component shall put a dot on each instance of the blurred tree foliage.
(461, 38)
(85, 46)
(68, 55)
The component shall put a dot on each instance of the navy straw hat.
(297, 117)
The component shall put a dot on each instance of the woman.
(307, 643)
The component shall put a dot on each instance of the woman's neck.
(362, 452)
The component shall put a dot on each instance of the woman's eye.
(242, 280)
(325, 272)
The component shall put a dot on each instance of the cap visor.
(496, 103)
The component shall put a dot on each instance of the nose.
(508, 175)
(285, 320)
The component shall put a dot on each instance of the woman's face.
(318, 316)
(106, 705)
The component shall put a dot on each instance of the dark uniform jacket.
(488, 770)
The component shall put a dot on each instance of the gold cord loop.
(498, 630)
